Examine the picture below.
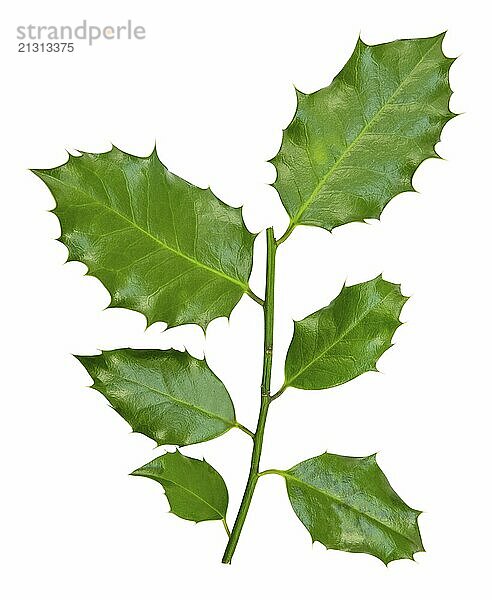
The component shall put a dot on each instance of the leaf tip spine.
(299, 94)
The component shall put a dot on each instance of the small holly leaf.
(347, 503)
(195, 490)
(167, 395)
(346, 338)
(160, 245)
(355, 144)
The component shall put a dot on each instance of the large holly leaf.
(355, 144)
(346, 338)
(167, 395)
(160, 245)
(195, 490)
(347, 504)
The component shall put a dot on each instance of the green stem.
(268, 308)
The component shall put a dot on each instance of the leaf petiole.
(226, 527)
(245, 429)
(254, 297)
(287, 233)
(272, 472)
(279, 393)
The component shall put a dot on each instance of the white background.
(213, 84)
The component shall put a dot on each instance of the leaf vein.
(339, 338)
(323, 492)
(237, 282)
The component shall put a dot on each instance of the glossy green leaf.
(194, 489)
(355, 144)
(160, 245)
(167, 395)
(347, 504)
(346, 338)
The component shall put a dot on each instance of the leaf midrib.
(339, 338)
(177, 400)
(295, 220)
(161, 479)
(323, 492)
(237, 282)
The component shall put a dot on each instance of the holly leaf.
(346, 338)
(347, 503)
(354, 145)
(169, 396)
(159, 244)
(194, 489)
